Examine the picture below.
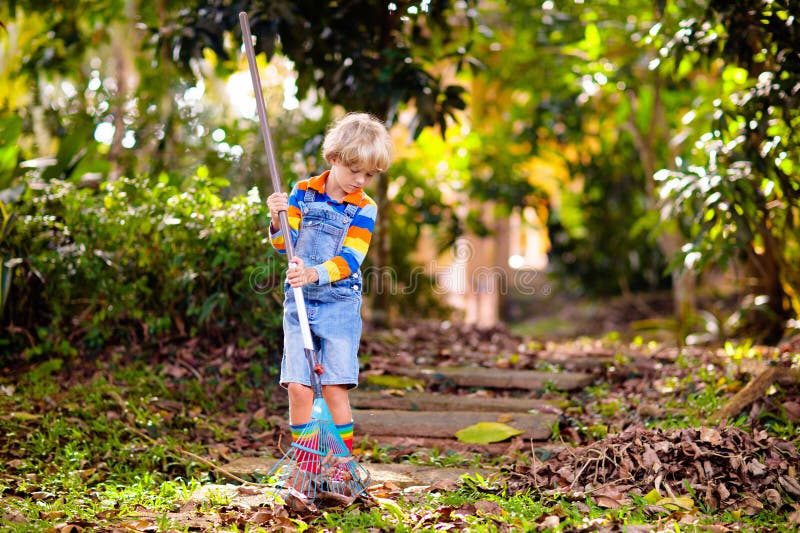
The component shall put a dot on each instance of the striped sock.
(297, 430)
(300, 434)
(346, 432)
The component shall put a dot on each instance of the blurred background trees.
(618, 148)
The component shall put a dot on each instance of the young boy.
(331, 222)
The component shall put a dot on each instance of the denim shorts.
(334, 315)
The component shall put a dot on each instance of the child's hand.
(277, 202)
(298, 275)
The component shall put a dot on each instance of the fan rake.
(318, 463)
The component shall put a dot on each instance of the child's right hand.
(277, 202)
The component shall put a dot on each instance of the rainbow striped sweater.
(356, 242)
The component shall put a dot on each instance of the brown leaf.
(723, 492)
(649, 410)
(650, 459)
(750, 505)
(488, 507)
(68, 528)
(260, 517)
(756, 468)
(550, 523)
(773, 497)
(790, 485)
(245, 490)
(607, 503)
(711, 436)
(635, 528)
(335, 499)
(444, 485)
(792, 410)
(298, 502)
(794, 517)
(652, 510)
(716, 528)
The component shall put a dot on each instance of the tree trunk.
(381, 304)
(684, 281)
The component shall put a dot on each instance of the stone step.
(498, 378)
(375, 423)
(403, 475)
(421, 401)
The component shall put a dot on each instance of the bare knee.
(301, 398)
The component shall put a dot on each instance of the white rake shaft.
(274, 173)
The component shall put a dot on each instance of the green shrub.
(139, 259)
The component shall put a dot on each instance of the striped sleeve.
(276, 237)
(355, 246)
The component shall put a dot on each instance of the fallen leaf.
(651, 460)
(260, 517)
(790, 485)
(249, 491)
(391, 506)
(711, 436)
(792, 410)
(750, 505)
(25, 416)
(773, 497)
(486, 433)
(677, 503)
(607, 503)
(488, 507)
(756, 468)
(550, 523)
(652, 497)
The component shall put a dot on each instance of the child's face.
(349, 178)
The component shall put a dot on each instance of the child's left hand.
(298, 275)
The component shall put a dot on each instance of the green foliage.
(738, 192)
(568, 87)
(602, 236)
(142, 258)
(361, 54)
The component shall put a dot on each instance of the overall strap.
(350, 210)
(311, 196)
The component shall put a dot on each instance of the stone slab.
(403, 475)
(390, 422)
(421, 401)
(499, 378)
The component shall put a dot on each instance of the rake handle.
(305, 330)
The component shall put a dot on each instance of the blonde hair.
(359, 139)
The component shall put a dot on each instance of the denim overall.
(334, 309)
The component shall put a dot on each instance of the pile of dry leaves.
(429, 342)
(725, 468)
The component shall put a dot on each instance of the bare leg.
(338, 403)
(301, 398)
